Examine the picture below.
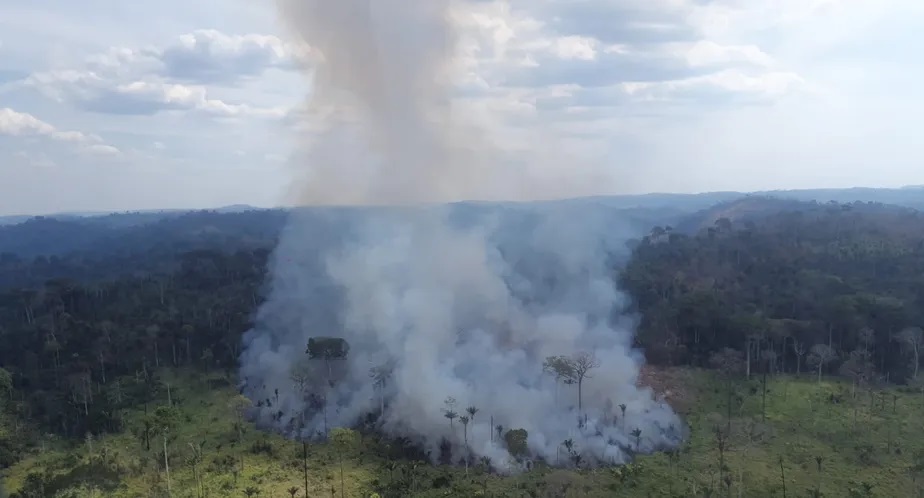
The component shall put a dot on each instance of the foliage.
(849, 277)
(860, 440)
(98, 366)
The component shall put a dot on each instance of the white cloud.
(178, 77)
(209, 55)
(575, 47)
(203, 56)
(662, 94)
(706, 53)
(20, 124)
(103, 149)
(92, 92)
(734, 82)
(41, 141)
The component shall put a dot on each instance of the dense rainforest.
(807, 288)
(839, 288)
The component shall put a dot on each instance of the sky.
(114, 105)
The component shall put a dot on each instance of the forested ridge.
(786, 289)
(106, 248)
(819, 290)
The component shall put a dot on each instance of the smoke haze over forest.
(451, 315)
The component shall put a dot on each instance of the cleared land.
(804, 435)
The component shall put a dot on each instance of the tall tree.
(821, 355)
(450, 410)
(583, 363)
(166, 419)
(913, 339)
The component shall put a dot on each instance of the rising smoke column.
(464, 309)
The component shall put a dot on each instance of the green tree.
(6, 382)
(344, 440)
(327, 349)
(239, 406)
(517, 442)
(821, 355)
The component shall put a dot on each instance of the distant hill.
(125, 218)
(93, 245)
(750, 208)
(104, 247)
(910, 196)
(754, 208)
(134, 232)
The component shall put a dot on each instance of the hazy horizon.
(141, 107)
(100, 212)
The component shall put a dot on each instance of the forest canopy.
(849, 277)
(826, 289)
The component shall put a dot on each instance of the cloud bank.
(659, 95)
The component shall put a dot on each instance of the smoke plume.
(443, 306)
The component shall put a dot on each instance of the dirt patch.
(671, 384)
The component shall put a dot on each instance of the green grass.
(858, 443)
(207, 419)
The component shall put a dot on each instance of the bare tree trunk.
(748, 361)
(763, 400)
(580, 397)
(783, 477)
(917, 361)
(342, 486)
(167, 465)
(305, 464)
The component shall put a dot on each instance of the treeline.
(835, 288)
(828, 288)
(64, 344)
(97, 249)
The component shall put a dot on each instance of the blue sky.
(113, 105)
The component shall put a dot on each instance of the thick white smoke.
(461, 301)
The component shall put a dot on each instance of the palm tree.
(464, 419)
(472, 410)
(450, 412)
(637, 433)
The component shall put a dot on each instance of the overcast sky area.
(118, 105)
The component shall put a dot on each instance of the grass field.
(814, 439)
